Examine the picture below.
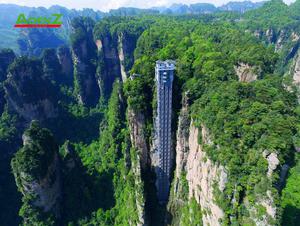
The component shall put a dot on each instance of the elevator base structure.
(164, 75)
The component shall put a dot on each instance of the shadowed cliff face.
(2, 99)
(84, 60)
(28, 93)
(116, 41)
(65, 60)
(51, 67)
(108, 63)
(7, 56)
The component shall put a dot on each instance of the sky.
(105, 5)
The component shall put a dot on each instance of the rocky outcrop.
(28, 93)
(273, 162)
(121, 57)
(178, 191)
(7, 56)
(281, 40)
(294, 74)
(267, 203)
(195, 175)
(84, 54)
(139, 194)
(202, 175)
(245, 72)
(182, 144)
(139, 161)
(296, 71)
(136, 123)
(51, 65)
(47, 189)
(271, 35)
(108, 63)
(2, 99)
(39, 181)
(115, 43)
(65, 60)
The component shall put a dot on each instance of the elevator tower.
(164, 75)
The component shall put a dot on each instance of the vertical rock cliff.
(202, 176)
(51, 66)
(108, 61)
(84, 59)
(139, 159)
(36, 167)
(200, 183)
(7, 56)
(65, 60)
(295, 70)
(139, 192)
(136, 123)
(179, 190)
(195, 175)
(28, 92)
(116, 41)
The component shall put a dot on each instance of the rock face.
(108, 63)
(294, 73)
(2, 99)
(122, 58)
(271, 35)
(296, 70)
(115, 58)
(126, 46)
(51, 65)
(202, 174)
(84, 54)
(140, 200)
(39, 183)
(115, 44)
(245, 72)
(273, 162)
(65, 60)
(182, 145)
(178, 192)
(28, 93)
(45, 189)
(136, 122)
(137, 136)
(7, 56)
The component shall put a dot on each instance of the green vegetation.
(244, 119)
(36, 155)
(31, 165)
(291, 196)
(7, 126)
(115, 162)
(191, 214)
(101, 182)
(84, 48)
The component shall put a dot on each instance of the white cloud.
(105, 5)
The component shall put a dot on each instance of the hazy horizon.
(106, 5)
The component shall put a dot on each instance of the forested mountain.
(32, 41)
(78, 120)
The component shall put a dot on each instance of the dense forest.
(77, 125)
